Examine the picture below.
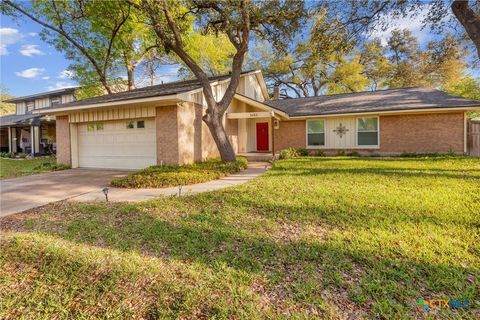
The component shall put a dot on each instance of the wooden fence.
(473, 137)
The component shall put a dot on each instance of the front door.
(262, 136)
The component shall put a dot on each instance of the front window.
(316, 133)
(30, 106)
(56, 101)
(367, 131)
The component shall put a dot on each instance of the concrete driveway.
(19, 194)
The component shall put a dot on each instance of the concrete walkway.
(120, 194)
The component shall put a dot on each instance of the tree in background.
(376, 66)
(103, 39)
(5, 107)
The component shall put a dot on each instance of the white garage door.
(123, 144)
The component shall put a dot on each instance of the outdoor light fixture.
(105, 192)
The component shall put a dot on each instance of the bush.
(6, 155)
(170, 176)
(289, 153)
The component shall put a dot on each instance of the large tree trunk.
(215, 125)
(469, 20)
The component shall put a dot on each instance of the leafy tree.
(237, 20)
(376, 66)
(102, 39)
(5, 107)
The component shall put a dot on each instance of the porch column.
(13, 131)
(272, 125)
(35, 139)
(9, 130)
(32, 140)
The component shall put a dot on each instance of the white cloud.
(413, 23)
(65, 74)
(31, 50)
(59, 85)
(8, 36)
(45, 78)
(30, 73)
(32, 34)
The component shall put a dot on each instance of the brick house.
(163, 124)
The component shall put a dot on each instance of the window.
(21, 108)
(140, 124)
(367, 131)
(99, 126)
(90, 127)
(315, 133)
(55, 101)
(130, 124)
(30, 106)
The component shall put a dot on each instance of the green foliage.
(291, 153)
(5, 107)
(213, 53)
(170, 176)
(6, 155)
(304, 240)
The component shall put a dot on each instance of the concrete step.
(257, 157)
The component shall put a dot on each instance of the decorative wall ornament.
(341, 130)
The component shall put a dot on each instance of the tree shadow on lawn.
(470, 174)
(304, 272)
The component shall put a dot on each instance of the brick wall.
(423, 133)
(290, 134)
(167, 135)
(63, 140)
(420, 133)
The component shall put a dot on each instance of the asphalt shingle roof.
(14, 119)
(371, 101)
(145, 92)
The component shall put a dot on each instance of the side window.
(141, 124)
(99, 126)
(90, 127)
(130, 124)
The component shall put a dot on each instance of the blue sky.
(28, 65)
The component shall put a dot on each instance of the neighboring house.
(163, 124)
(29, 133)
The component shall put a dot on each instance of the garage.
(122, 144)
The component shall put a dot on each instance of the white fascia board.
(260, 105)
(262, 83)
(174, 98)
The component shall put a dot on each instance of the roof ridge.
(360, 92)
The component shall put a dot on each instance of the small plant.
(353, 154)
(289, 153)
(340, 152)
(6, 155)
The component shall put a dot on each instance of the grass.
(11, 168)
(171, 176)
(330, 238)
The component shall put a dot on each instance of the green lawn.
(172, 176)
(10, 168)
(322, 237)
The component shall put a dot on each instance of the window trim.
(324, 134)
(366, 146)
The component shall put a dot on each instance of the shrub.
(353, 154)
(289, 153)
(6, 155)
(169, 176)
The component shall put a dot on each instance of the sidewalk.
(253, 170)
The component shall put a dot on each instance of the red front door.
(262, 136)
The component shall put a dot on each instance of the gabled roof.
(42, 95)
(373, 101)
(159, 90)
